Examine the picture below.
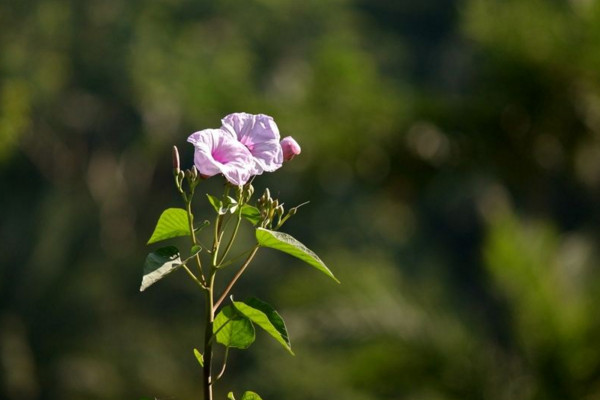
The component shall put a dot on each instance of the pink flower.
(260, 135)
(290, 148)
(216, 151)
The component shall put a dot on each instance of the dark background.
(451, 156)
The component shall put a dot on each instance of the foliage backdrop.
(451, 154)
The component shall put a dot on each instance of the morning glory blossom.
(290, 148)
(260, 135)
(216, 151)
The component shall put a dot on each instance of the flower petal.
(217, 152)
(260, 134)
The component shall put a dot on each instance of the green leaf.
(265, 316)
(233, 329)
(173, 222)
(250, 396)
(230, 396)
(203, 225)
(232, 204)
(222, 208)
(286, 243)
(195, 250)
(251, 213)
(199, 357)
(216, 203)
(158, 264)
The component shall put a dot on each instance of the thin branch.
(224, 364)
(194, 240)
(236, 277)
(194, 278)
(232, 238)
(233, 259)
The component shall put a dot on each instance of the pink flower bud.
(176, 164)
(290, 147)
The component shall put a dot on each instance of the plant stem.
(233, 259)
(191, 275)
(236, 277)
(233, 235)
(188, 204)
(224, 364)
(210, 312)
(208, 333)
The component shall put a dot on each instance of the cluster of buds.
(271, 210)
(244, 193)
(191, 174)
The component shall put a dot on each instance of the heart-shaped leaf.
(288, 244)
(233, 329)
(173, 222)
(265, 316)
(251, 213)
(217, 204)
(159, 264)
(223, 207)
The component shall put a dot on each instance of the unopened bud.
(279, 211)
(176, 164)
(293, 211)
(249, 191)
(267, 193)
(290, 148)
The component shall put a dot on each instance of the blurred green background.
(451, 154)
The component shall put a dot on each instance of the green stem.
(233, 259)
(236, 277)
(224, 364)
(210, 312)
(208, 333)
(188, 204)
(194, 278)
(232, 238)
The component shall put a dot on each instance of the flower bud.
(290, 148)
(176, 164)
(279, 210)
(267, 194)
